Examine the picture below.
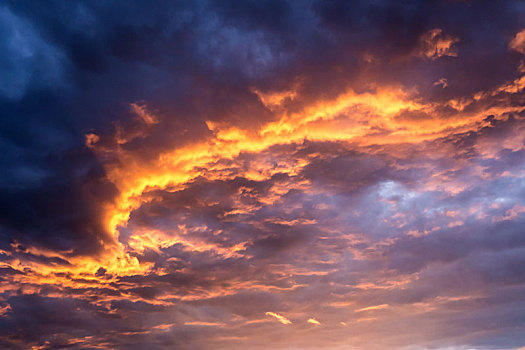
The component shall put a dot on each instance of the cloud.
(28, 60)
(314, 321)
(173, 172)
(280, 318)
(374, 307)
(435, 44)
(518, 42)
(443, 82)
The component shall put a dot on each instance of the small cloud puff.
(518, 42)
(314, 321)
(435, 43)
(279, 318)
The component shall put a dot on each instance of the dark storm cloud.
(63, 210)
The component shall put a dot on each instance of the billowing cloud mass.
(262, 175)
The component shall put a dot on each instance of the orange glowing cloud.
(374, 307)
(435, 44)
(314, 321)
(279, 318)
(518, 42)
(350, 117)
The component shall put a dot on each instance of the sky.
(262, 174)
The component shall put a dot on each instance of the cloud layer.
(266, 174)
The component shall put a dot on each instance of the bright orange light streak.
(279, 318)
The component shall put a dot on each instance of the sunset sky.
(217, 175)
